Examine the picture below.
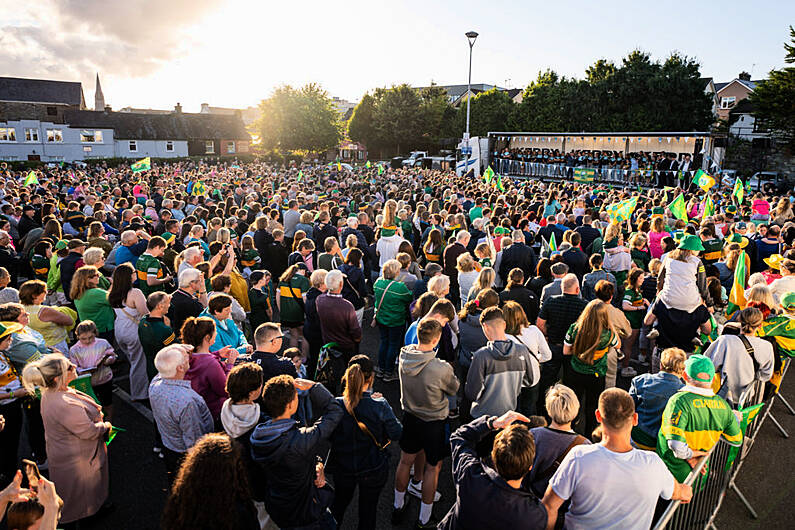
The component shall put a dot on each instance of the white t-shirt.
(611, 490)
(534, 340)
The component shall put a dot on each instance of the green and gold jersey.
(781, 327)
(635, 317)
(713, 249)
(699, 421)
(149, 266)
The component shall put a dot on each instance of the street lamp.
(471, 36)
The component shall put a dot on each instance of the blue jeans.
(391, 341)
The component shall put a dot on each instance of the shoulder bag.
(378, 305)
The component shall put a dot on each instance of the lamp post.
(471, 36)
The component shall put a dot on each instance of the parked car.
(770, 182)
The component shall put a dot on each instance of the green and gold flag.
(552, 245)
(300, 175)
(488, 175)
(31, 179)
(749, 413)
(737, 294)
(738, 192)
(367, 164)
(703, 180)
(584, 174)
(709, 207)
(198, 188)
(623, 210)
(380, 170)
(678, 207)
(144, 164)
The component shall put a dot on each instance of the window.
(31, 135)
(8, 134)
(54, 135)
(91, 137)
(87, 148)
(169, 146)
(133, 146)
(209, 147)
(230, 147)
(727, 102)
(52, 111)
(56, 158)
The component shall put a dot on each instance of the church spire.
(99, 98)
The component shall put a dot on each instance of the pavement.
(138, 484)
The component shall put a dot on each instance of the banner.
(584, 174)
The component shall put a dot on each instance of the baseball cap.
(7, 328)
(61, 244)
(700, 368)
(169, 237)
(788, 300)
(74, 243)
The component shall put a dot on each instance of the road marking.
(143, 411)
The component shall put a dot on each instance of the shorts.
(431, 436)
(104, 393)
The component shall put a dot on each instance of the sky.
(233, 53)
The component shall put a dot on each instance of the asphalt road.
(138, 486)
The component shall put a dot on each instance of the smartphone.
(31, 472)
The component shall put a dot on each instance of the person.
(611, 484)
(96, 258)
(214, 464)
(742, 359)
(28, 510)
(75, 433)
(425, 385)
(450, 260)
(92, 302)
(53, 324)
(786, 284)
(499, 371)
(516, 291)
(189, 300)
(11, 390)
(71, 263)
(7, 293)
(297, 495)
(519, 330)
(222, 284)
(492, 497)
(181, 415)
(558, 270)
(129, 304)
(291, 301)
(574, 257)
(268, 339)
(694, 419)
(518, 255)
(219, 309)
(337, 317)
(153, 331)
(542, 278)
(259, 298)
(208, 370)
(392, 299)
(553, 442)
(651, 393)
(354, 288)
(466, 275)
(587, 342)
(95, 356)
(682, 283)
(358, 456)
(634, 307)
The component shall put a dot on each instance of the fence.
(603, 174)
(715, 474)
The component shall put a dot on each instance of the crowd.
(510, 324)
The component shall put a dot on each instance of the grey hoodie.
(425, 383)
(498, 373)
(239, 419)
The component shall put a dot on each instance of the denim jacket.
(651, 393)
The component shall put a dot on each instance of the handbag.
(365, 430)
(375, 311)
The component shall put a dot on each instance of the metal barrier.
(559, 170)
(709, 489)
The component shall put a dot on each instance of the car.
(770, 182)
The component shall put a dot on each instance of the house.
(731, 93)
(456, 94)
(249, 114)
(39, 99)
(709, 89)
(743, 124)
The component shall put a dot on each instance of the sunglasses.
(277, 337)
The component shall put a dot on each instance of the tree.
(398, 117)
(361, 127)
(299, 119)
(774, 98)
(490, 111)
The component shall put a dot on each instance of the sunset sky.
(153, 53)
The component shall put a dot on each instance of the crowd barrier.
(604, 174)
(715, 474)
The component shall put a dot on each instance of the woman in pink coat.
(75, 434)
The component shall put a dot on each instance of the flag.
(749, 413)
(584, 174)
(380, 169)
(708, 207)
(339, 166)
(738, 192)
(31, 179)
(703, 180)
(198, 188)
(623, 210)
(553, 247)
(367, 164)
(488, 175)
(666, 189)
(737, 293)
(678, 207)
(300, 175)
(113, 432)
(142, 165)
(498, 183)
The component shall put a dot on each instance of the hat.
(737, 238)
(730, 209)
(60, 245)
(28, 208)
(788, 300)
(302, 266)
(74, 243)
(741, 226)
(169, 237)
(700, 368)
(691, 242)
(7, 328)
(774, 261)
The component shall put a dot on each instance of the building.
(731, 93)
(344, 107)
(39, 99)
(249, 115)
(456, 94)
(99, 97)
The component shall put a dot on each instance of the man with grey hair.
(518, 255)
(189, 300)
(131, 247)
(181, 415)
(192, 256)
(559, 270)
(338, 322)
(450, 260)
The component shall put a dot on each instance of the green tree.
(774, 98)
(299, 120)
(398, 117)
(361, 126)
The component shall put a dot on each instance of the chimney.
(205, 108)
(178, 108)
(744, 76)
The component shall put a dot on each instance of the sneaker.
(399, 514)
(628, 372)
(653, 334)
(432, 523)
(415, 489)
(453, 414)
(390, 377)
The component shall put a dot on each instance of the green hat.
(60, 245)
(169, 237)
(700, 368)
(737, 238)
(788, 300)
(691, 242)
(732, 209)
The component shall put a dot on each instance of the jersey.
(699, 421)
(291, 304)
(149, 266)
(635, 317)
(713, 249)
(607, 340)
(154, 335)
(41, 267)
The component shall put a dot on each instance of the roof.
(172, 126)
(41, 91)
(750, 85)
(456, 91)
(512, 92)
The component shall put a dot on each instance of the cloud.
(71, 39)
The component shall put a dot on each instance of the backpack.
(330, 367)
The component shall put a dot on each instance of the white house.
(53, 142)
